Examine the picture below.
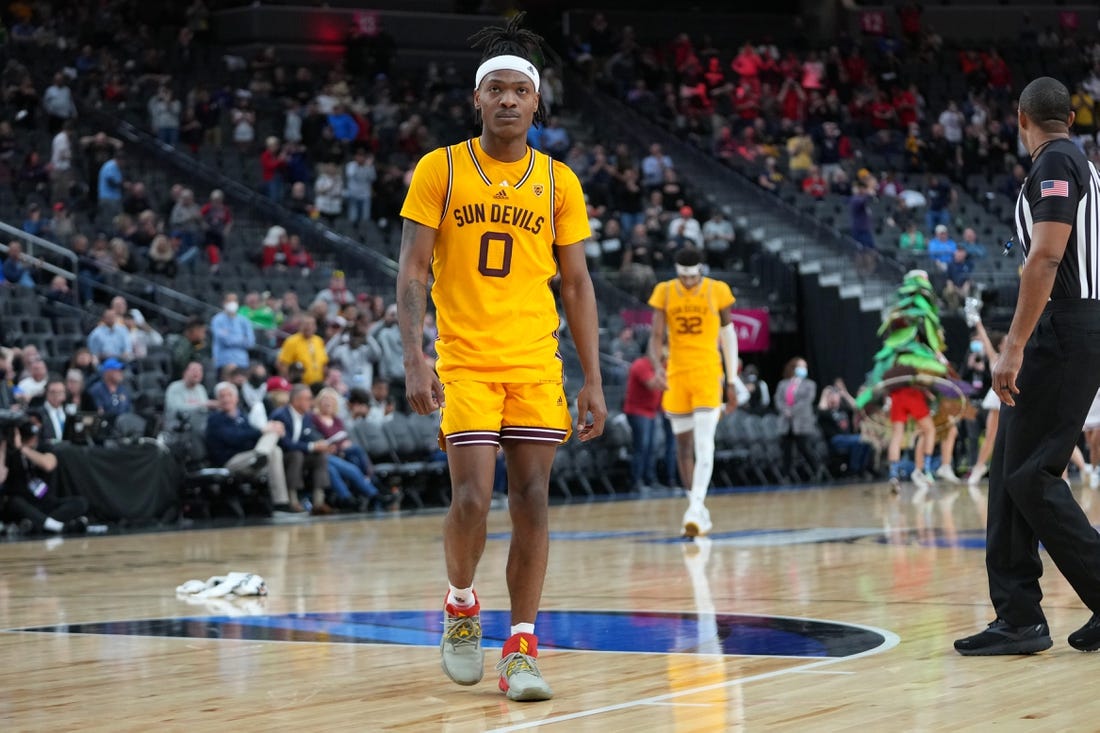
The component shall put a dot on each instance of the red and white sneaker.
(462, 657)
(520, 678)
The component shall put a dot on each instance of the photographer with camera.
(25, 473)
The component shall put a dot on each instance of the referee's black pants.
(1029, 502)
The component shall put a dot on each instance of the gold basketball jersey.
(494, 257)
(692, 320)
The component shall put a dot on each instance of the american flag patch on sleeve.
(1054, 188)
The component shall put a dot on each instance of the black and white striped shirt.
(1063, 186)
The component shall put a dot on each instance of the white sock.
(461, 597)
(52, 525)
(522, 629)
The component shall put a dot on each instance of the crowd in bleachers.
(886, 137)
(878, 136)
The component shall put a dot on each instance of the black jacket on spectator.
(227, 435)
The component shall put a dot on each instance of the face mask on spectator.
(231, 307)
(257, 379)
(800, 372)
(975, 347)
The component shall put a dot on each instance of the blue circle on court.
(648, 632)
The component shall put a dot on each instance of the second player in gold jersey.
(693, 311)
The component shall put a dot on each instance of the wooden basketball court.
(820, 609)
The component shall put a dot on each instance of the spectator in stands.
(941, 198)
(654, 166)
(770, 178)
(110, 339)
(136, 199)
(959, 273)
(304, 448)
(186, 222)
(33, 385)
(800, 152)
(77, 398)
(164, 115)
(795, 395)
(110, 393)
(297, 258)
(391, 365)
(814, 184)
(57, 100)
(912, 239)
(242, 118)
(336, 295)
(555, 139)
(356, 351)
(328, 192)
(859, 214)
(85, 362)
(684, 230)
(306, 350)
(273, 162)
(274, 248)
(348, 465)
(186, 400)
(52, 412)
(359, 177)
(975, 250)
(233, 335)
(836, 417)
(641, 403)
(59, 294)
(35, 225)
(162, 257)
(142, 334)
(243, 449)
(625, 346)
(760, 399)
(18, 268)
(382, 406)
(718, 238)
(110, 187)
(941, 247)
(218, 221)
(262, 316)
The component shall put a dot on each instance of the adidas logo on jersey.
(559, 402)
(500, 195)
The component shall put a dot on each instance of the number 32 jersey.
(692, 320)
(497, 227)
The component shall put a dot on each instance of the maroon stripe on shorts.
(474, 437)
(538, 435)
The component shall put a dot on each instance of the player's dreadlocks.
(515, 40)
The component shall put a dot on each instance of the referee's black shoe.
(1000, 638)
(1087, 638)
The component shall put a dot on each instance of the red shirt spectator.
(814, 185)
(882, 113)
(747, 63)
(856, 66)
(271, 163)
(905, 105)
(641, 399)
(1000, 76)
(792, 101)
(746, 102)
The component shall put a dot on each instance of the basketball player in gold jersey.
(694, 311)
(492, 221)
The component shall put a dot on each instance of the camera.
(12, 421)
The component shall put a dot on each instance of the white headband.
(689, 271)
(507, 62)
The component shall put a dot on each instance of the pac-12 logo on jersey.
(537, 189)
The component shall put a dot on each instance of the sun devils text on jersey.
(497, 226)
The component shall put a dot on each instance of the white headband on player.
(689, 271)
(507, 63)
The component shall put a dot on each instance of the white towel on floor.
(238, 584)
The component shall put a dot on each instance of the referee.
(1046, 377)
